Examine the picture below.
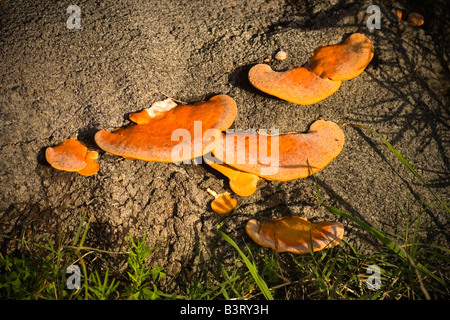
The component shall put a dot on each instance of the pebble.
(281, 55)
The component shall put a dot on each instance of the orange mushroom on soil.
(295, 234)
(222, 203)
(242, 183)
(344, 61)
(92, 166)
(285, 156)
(297, 85)
(156, 132)
(72, 156)
(415, 19)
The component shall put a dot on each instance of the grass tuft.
(406, 267)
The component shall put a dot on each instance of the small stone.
(281, 55)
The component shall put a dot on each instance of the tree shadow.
(422, 111)
(86, 135)
(414, 105)
(419, 111)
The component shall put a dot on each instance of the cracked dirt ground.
(57, 83)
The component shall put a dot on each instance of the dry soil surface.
(57, 83)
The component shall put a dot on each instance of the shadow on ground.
(58, 83)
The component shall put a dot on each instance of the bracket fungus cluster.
(329, 66)
(73, 156)
(295, 234)
(153, 136)
(168, 132)
(156, 132)
(245, 158)
(297, 85)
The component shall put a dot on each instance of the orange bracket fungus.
(222, 203)
(343, 61)
(297, 85)
(295, 234)
(72, 156)
(156, 132)
(242, 183)
(415, 19)
(92, 166)
(285, 156)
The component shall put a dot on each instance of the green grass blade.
(389, 243)
(378, 234)
(83, 237)
(77, 235)
(405, 163)
(35, 244)
(251, 267)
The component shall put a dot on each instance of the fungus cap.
(297, 85)
(69, 155)
(343, 61)
(415, 19)
(157, 131)
(295, 234)
(285, 156)
(92, 166)
(222, 203)
(242, 183)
